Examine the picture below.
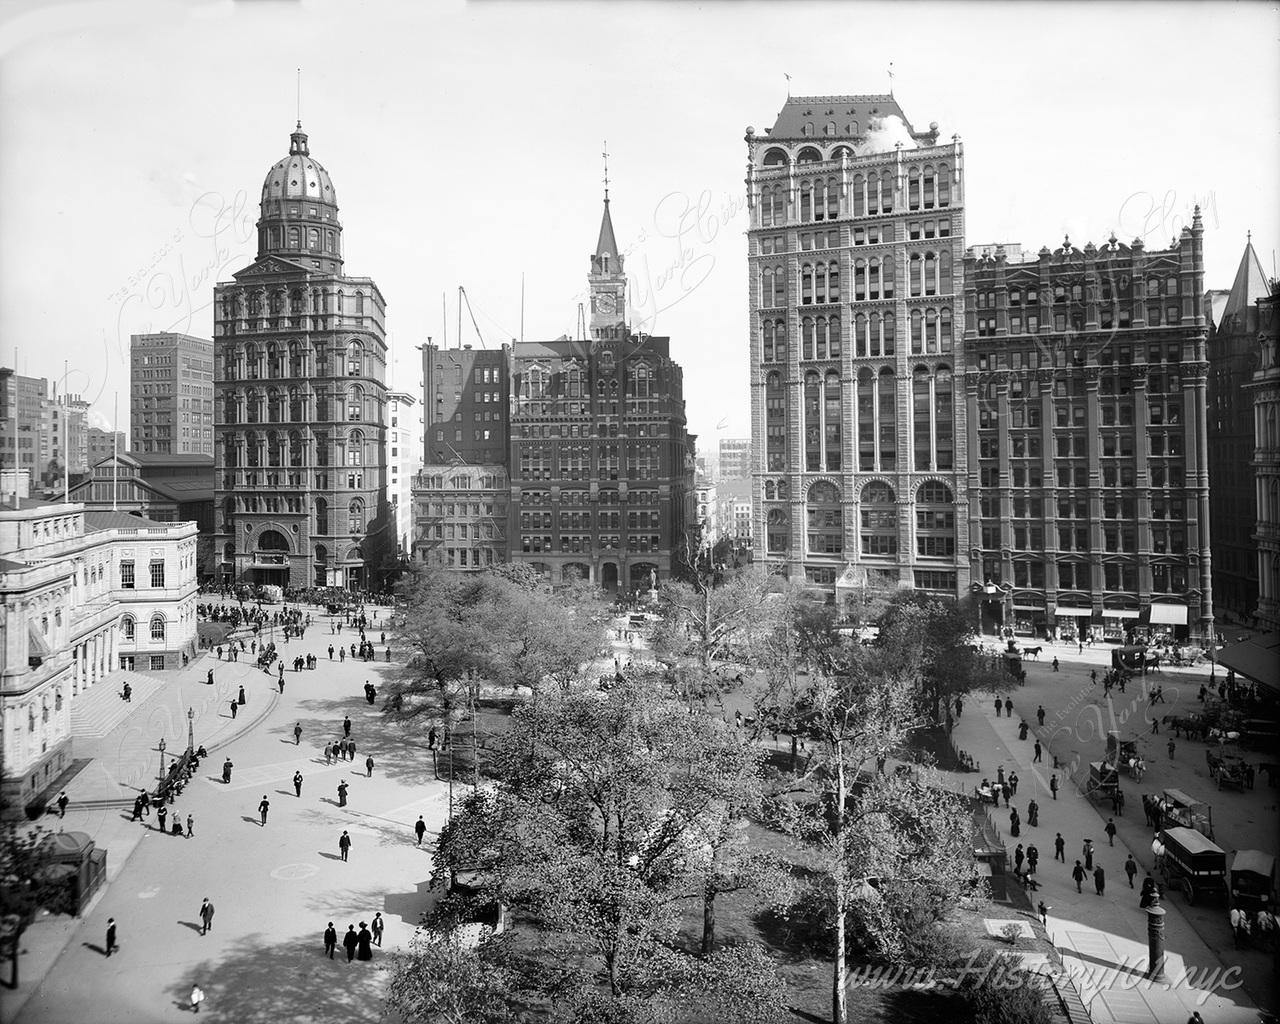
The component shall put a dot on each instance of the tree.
(437, 979)
(595, 829)
(930, 633)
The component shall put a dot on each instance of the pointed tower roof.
(1249, 286)
(606, 244)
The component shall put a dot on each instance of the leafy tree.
(438, 979)
(600, 821)
(25, 883)
(930, 634)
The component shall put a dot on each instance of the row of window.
(157, 627)
(1075, 292)
(254, 362)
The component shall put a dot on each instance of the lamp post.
(191, 735)
(160, 777)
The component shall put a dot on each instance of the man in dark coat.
(161, 814)
(344, 846)
(368, 764)
(330, 940)
(351, 749)
(1078, 876)
(349, 942)
(342, 793)
(346, 725)
(420, 827)
(297, 734)
(263, 807)
(297, 782)
(1099, 879)
(1008, 707)
(364, 939)
(1130, 868)
(1059, 845)
(206, 916)
(226, 770)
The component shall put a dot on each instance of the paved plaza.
(274, 888)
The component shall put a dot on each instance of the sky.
(465, 141)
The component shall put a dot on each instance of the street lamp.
(160, 778)
(191, 736)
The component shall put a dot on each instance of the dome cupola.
(299, 210)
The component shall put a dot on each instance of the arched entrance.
(609, 577)
(271, 559)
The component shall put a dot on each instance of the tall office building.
(1265, 388)
(1088, 466)
(171, 394)
(25, 423)
(855, 246)
(103, 444)
(1233, 356)
(735, 458)
(300, 392)
(601, 464)
(404, 460)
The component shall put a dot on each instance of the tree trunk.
(794, 751)
(611, 962)
(839, 974)
(708, 917)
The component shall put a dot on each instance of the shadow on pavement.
(269, 982)
(190, 924)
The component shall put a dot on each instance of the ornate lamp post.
(191, 736)
(160, 778)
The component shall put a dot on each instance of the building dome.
(299, 207)
(299, 175)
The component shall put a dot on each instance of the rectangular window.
(126, 575)
(157, 572)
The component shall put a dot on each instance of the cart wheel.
(1189, 891)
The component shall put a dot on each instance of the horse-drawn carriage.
(1191, 862)
(1253, 881)
(1175, 809)
(1103, 780)
(1227, 769)
(1124, 754)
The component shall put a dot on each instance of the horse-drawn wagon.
(1227, 769)
(1103, 780)
(1193, 863)
(1175, 809)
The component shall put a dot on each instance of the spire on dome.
(606, 245)
(298, 142)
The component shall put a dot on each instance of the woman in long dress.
(364, 949)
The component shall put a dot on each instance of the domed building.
(300, 368)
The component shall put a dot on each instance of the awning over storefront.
(1119, 613)
(1168, 614)
(1257, 658)
(1018, 606)
(1079, 611)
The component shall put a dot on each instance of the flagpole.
(66, 438)
(115, 446)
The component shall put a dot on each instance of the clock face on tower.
(606, 303)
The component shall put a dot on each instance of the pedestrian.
(368, 766)
(351, 749)
(1053, 786)
(349, 942)
(281, 679)
(1093, 677)
(1018, 856)
(1055, 663)
(1039, 752)
(297, 782)
(330, 940)
(242, 696)
(1078, 876)
(1013, 783)
(197, 997)
(162, 813)
(344, 844)
(1099, 879)
(145, 797)
(263, 808)
(206, 916)
(1059, 845)
(226, 769)
(420, 827)
(346, 726)
(137, 809)
(1155, 726)
(1040, 714)
(1150, 894)
(377, 927)
(1170, 748)
(1033, 814)
(342, 656)
(1033, 858)
(111, 935)
(959, 706)
(342, 793)
(191, 826)
(62, 804)
(331, 652)
(209, 678)
(328, 753)
(999, 705)
(1088, 854)
(364, 951)
(1044, 913)
(1008, 708)
(1130, 869)
(234, 708)
(1110, 830)
(1195, 1018)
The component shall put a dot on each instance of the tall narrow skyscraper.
(856, 246)
(300, 364)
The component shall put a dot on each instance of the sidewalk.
(1102, 939)
(123, 762)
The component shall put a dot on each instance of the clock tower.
(608, 285)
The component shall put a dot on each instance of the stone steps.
(100, 709)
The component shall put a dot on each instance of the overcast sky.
(464, 144)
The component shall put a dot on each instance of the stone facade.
(171, 394)
(81, 594)
(1265, 389)
(855, 252)
(300, 393)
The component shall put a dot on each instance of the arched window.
(931, 330)
(775, 423)
(943, 415)
(295, 448)
(252, 361)
(921, 408)
(825, 519)
(355, 448)
(253, 405)
(917, 329)
(322, 516)
(944, 185)
(775, 157)
(274, 406)
(274, 362)
(297, 360)
(769, 490)
(129, 628)
(832, 436)
(934, 492)
(231, 409)
(886, 387)
(640, 380)
(806, 284)
(157, 626)
(833, 281)
(913, 189)
(275, 449)
(355, 359)
(355, 517)
(812, 421)
(297, 406)
(806, 338)
(355, 403)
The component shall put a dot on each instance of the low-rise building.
(460, 514)
(81, 593)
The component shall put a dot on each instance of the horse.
(1152, 664)
(1032, 652)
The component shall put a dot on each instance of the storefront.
(1164, 622)
(1116, 623)
(1073, 621)
(1030, 620)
